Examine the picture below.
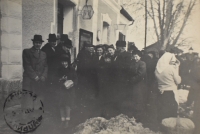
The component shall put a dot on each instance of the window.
(122, 37)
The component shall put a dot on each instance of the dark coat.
(137, 81)
(66, 96)
(122, 64)
(151, 66)
(60, 52)
(120, 77)
(194, 94)
(86, 73)
(85, 65)
(99, 73)
(34, 65)
(52, 61)
(109, 78)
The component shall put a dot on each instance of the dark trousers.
(166, 106)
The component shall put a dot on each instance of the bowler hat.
(121, 43)
(64, 37)
(52, 38)
(67, 43)
(86, 44)
(37, 38)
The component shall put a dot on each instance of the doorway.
(60, 19)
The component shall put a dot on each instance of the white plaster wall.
(11, 39)
(39, 17)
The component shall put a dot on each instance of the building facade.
(22, 19)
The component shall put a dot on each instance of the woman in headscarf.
(167, 75)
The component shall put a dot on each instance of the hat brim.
(52, 40)
(37, 40)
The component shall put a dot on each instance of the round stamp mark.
(23, 111)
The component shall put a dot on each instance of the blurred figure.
(194, 93)
(86, 72)
(151, 80)
(131, 47)
(99, 68)
(64, 47)
(122, 64)
(167, 75)
(184, 71)
(53, 63)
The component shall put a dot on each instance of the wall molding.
(113, 5)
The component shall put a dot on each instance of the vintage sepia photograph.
(99, 67)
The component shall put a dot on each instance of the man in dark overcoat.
(35, 69)
(122, 65)
(86, 72)
(52, 57)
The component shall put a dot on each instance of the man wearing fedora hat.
(35, 68)
(52, 59)
(34, 63)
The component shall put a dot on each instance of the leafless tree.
(169, 18)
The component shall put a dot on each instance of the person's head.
(191, 50)
(64, 38)
(151, 54)
(136, 55)
(99, 50)
(89, 47)
(64, 61)
(67, 45)
(120, 46)
(111, 49)
(121, 49)
(173, 60)
(52, 40)
(132, 48)
(37, 41)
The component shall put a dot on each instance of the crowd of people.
(112, 77)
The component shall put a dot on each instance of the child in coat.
(66, 94)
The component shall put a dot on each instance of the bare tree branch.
(190, 7)
(154, 20)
